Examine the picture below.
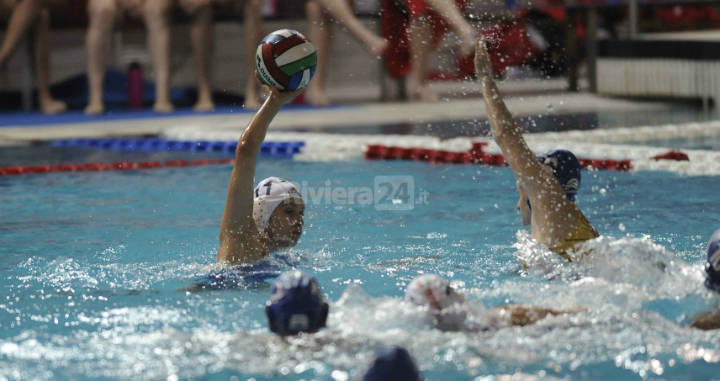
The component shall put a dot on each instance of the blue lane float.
(268, 149)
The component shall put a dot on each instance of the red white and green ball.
(286, 60)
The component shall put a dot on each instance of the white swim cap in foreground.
(434, 292)
(270, 193)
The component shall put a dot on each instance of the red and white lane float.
(600, 149)
(597, 149)
(476, 155)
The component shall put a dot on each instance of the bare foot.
(204, 105)
(423, 93)
(94, 109)
(316, 97)
(163, 107)
(51, 107)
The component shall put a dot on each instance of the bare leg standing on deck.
(321, 13)
(420, 50)
(252, 35)
(26, 13)
(420, 32)
(156, 14)
(452, 15)
(48, 105)
(23, 14)
(201, 37)
(341, 11)
(102, 14)
(320, 33)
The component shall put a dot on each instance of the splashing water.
(93, 272)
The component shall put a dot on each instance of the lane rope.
(116, 166)
(598, 148)
(476, 155)
(281, 150)
(274, 149)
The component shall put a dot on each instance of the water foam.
(636, 262)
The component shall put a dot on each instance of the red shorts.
(418, 8)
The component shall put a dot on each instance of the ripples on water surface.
(92, 264)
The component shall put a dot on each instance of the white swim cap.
(442, 300)
(270, 193)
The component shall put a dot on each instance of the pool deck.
(461, 101)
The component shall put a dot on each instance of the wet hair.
(296, 305)
(392, 363)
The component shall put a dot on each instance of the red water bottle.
(135, 86)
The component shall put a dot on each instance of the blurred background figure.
(429, 20)
(156, 15)
(34, 16)
(392, 364)
(320, 14)
(252, 34)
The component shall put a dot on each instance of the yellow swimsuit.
(583, 232)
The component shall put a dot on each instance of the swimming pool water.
(92, 264)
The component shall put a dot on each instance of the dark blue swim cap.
(566, 169)
(296, 305)
(392, 363)
(712, 266)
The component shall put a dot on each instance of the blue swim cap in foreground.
(296, 305)
(712, 266)
(392, 364)
(566, 169)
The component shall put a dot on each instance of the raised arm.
(553, 215)
(240, 241)
(525, 315)
(506, 133)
